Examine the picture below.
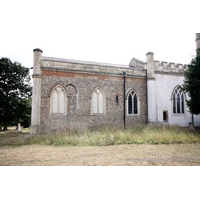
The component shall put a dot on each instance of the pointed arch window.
(98, 101)
(178, 101)
(58, 101)
(132, 103)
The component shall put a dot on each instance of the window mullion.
(176, 102)
(58, 103)
(97, 103)
(180, 104)
(132, 104)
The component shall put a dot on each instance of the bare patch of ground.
(115, 155)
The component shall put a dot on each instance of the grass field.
(105, 137)
(141, 146)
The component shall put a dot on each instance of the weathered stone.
(191, 126)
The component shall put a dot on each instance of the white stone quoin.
(151, 88)
(36, 95)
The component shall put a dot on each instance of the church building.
(71, 94)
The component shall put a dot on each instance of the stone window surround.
(178, 114)
(77, 93)
(66, 97)
(51, 101)
(104, 101)
(138, 101)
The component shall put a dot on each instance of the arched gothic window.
(98, 102)
(132, 103)
(178, 101)
(58, 101)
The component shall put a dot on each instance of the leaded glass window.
(182, 103)
(132, 103)
(178, 101)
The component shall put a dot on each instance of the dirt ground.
(116, 155)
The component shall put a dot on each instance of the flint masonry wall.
(86, 77)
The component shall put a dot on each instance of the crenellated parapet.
(161, 65)
(169, 66)
(166, 67)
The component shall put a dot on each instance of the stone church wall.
(79, 88)
(165, 85)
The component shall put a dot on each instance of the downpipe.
(124, 99)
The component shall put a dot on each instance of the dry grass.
(174, 147)
(106, 136)
(115, 155)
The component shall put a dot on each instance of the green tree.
(192, 84)
(14, 86)
(22, 111)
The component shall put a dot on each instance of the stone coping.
(83, 62)
(63, 65)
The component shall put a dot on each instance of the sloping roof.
(135, 63)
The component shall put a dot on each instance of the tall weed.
(109, 136)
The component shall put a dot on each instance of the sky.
(100, 31)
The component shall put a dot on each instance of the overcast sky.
(108, 31)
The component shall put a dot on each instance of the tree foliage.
(15, 90)
(192, 84)
(22, 111)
